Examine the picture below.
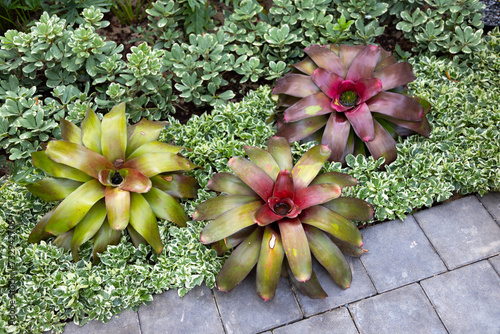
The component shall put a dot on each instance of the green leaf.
(114, 133)
(143, 220)
(296, 248)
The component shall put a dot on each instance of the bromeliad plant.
(110, 177)
(348, 97)
(276, 213)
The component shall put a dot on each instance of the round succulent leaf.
(296, 248)
(269, 264)
(230, 222)
(91, 131)
(77, 156)
(166, 207)
(143, 220)
(42, 161)
(241, 262)
(72, 209)
(141, 133)
(70, 132)
(114, 133)
(88, 227)
(118, 207)
(104, 237)
(50, 189)
(329, 256)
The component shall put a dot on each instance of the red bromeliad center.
(281, 202)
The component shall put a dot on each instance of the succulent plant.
(276, 213)
(348, 97)
(111, 177)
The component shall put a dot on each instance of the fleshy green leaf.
(91, 131)
(308, 166)
(316, 194)
(154, 147)
(104, 237)
(53, 189)
(253, 176)
(269, 264)
(118, 207)
(281, 152)
(311, 288)
(264, 160)
(38, 233)
(141, 133)
(166, 207)
(241, 261)
(351, 208)
(213, 207)
(42, 161)
(88, 227)
(230, 184)
(70, 132)
(152, 164)
(114, 133)
(71, 211)
(177, 185)
(296, 248)
(143, 220)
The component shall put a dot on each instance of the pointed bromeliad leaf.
(347, 248)
(309, 165)
(88, 227)
(336, 135)
(329, 256)
(382, 145)
(351, 208)
(71, 211)
(214, 207)
(230, 184)
(38, 233)
(253, 176)
(70, 132)
(269, 264)
(265, 216)
(177, 185)
(135, 237)
(64, 240)
(333, 223)
(327, 59)
(42, 161)
(301, 129)
(104, 237)
(362, 122)
(395, 75)
(311, 288)
(154, 147)
(241, 261)
(141, 133)
(230, 222)
(143, 220)
(364, 63)
(91, 131)
(264, 160)
(152, 164)
(312, 105)
(114, 133)
(118, 207)
(340, 179)
(50, 189)
(134, 181)
(316, 194)
(297, 85)
(77, 156)
(233, 240)
(166, 207)
(296, 248)
(280, 149)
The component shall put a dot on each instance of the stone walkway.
(437, 272)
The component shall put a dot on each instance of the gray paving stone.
(338, 321)
(461, 231)
(491, 202)
(243, 311)
(361, 287)
(495, 261)
(399, 254)
(467, 299)
(404, 310)
(196, 312)
(125, 322)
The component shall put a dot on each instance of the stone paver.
(495, 261)
(404, 310)
(196, 312)
(123, 323)
(461, 231)
(243, 311)
(491, 202)
(338, 321)
(399, 254)
(361, 287)
(467, 299)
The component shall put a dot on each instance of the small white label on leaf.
(272, 241)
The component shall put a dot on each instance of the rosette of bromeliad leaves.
(276, 213)
(111, 177)
(350, 98)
